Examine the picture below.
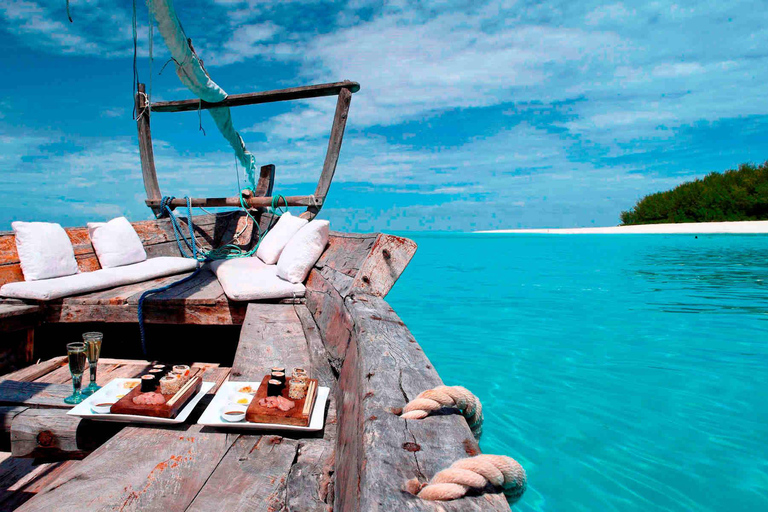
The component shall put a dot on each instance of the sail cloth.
(191, 72)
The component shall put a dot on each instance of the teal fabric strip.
(192, 74)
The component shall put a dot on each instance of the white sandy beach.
(746, 227)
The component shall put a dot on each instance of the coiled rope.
(476, 473)
(456, 397)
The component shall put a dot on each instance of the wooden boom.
(252, 202)
(253, 98)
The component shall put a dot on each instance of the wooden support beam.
(34, 394)
(229, 202)
(332, 155)
(253, 98)
(266, 181)
(52, 434)
(146, 153)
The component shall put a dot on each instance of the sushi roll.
(157, 372)
(148, 383)
(181, 369)
(279, 376)
(277, 369)
(170, 384)
(274, 387)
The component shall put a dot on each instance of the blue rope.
(153, 292)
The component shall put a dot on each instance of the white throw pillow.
(303, 251)
(276, 239)
(45, 250)
(116, 243)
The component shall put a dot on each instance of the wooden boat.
(343, 330)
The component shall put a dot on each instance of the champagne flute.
(92, 342)
(77, 358)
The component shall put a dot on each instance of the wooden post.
(29, 346)
(332, 155)
(145, 150)
(266, 180)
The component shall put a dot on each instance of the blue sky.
(472, 115)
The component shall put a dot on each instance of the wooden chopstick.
(310, 398)
(183, 390)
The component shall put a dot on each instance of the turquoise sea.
(625, 373)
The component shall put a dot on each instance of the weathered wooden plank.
(160, 469)
(53, 435)
(35, 371)
(7, 413)
(377, 450)
(220, 313)
(250, 477)
(62, 375)
(382, 267)
(268, 472)
(272, 335)
(34, 394)
(253, 98)
(332, 153)
(327, 307)
(9, 310)
(235, 202)
(310, 482)
(21, 479)
(342, 259)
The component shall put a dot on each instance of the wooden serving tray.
(126, 406)
(298, 416)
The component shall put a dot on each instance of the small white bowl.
(240, 399)
(233, 413)
(101, 407)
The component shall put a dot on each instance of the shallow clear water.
(624, 372)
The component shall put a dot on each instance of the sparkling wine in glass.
(77, 360)
(92, 342)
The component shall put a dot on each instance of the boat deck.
(188, 467)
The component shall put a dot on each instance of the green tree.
(740, 194)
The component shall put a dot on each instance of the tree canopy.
(733, 195)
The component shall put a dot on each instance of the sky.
(471, 115)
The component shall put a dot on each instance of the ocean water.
(625, 373)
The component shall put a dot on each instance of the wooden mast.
(332, 154)
(145, 151)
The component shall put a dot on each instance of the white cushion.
(252, 279)
(116, 243)
(303, 251)
(276, 238)
(49, 289)
(44, 249)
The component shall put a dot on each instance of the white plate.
(212, 415)
(115, 387)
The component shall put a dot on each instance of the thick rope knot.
(456, 397)
(499, 471)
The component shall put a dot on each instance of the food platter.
(112, 392)
(229, 393)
